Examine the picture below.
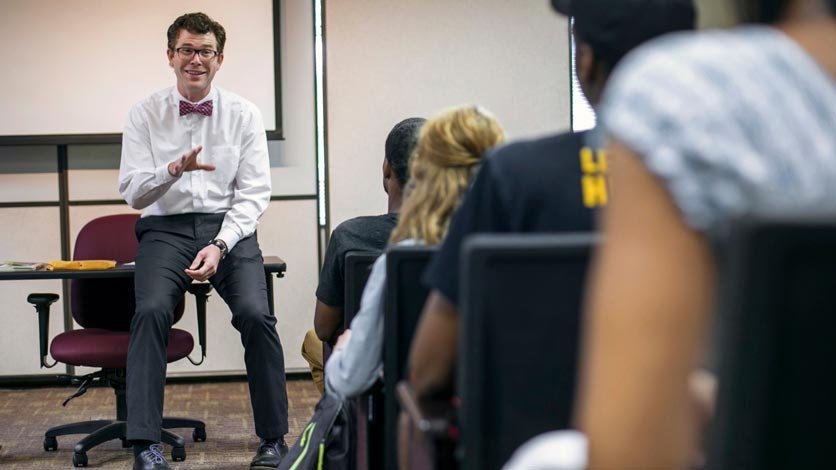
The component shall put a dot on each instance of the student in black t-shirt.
(367, 233)
(554, 184)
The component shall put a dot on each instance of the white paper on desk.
(9, 266)
(132, 263)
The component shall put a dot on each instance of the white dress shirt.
(233, 139)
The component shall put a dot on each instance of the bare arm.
(432, 358)
(649, 297)
(328, 321)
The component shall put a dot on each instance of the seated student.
(554, 184)
(367, 233)
(449, 150)
(704, 128)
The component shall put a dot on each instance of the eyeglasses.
(189, 52)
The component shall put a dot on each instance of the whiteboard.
(75, 67)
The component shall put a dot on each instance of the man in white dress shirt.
(194, 158)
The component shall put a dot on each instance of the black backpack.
(327, 442)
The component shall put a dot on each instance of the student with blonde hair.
(450, 148)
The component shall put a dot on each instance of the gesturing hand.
(188, 162)
(205, 264)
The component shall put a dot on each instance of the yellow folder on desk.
(80, 265)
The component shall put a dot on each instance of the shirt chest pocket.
(225, 158)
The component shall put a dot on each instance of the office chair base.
(50, 444)
(79, 459)
(100, 431)
(199, 433)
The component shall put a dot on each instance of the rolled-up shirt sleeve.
(664, 103)
(142, 178)
(253, 183)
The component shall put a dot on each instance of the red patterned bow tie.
(204, 108)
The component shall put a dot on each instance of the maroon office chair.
(104, 308)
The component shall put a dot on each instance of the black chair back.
(777, 324)
(405, 297)
(518, 339)
(368, 428)
(358, 266)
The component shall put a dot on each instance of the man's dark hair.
(400, 143)
(768, 11)
(613, 28)
(762, 11)
(196, 23)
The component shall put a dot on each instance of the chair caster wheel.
(50, 443)
(199, 435)
(125, 443)
(80, 459)
(178, 454)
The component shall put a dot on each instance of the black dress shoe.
(151, 459)
(269, 455)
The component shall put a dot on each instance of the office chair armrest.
(42, 303)
(427, 434)
(432, 419)
(201, 295)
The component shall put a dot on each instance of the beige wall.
(27, 235)
(715, 13)
(391, 59)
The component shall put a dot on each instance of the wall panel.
(33, 238)
(390, 59)
(28, 174)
